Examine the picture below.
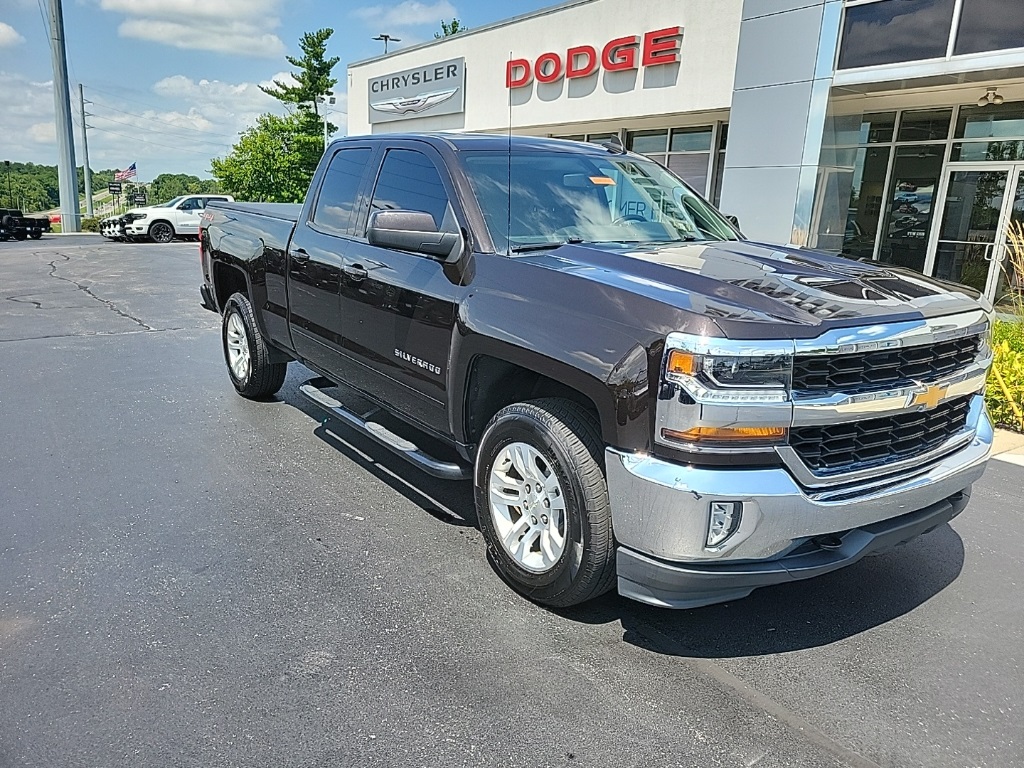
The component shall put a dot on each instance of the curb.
(1008, 446)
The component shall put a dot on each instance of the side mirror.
(413, 231)
(733, 220)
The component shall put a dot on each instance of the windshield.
(573, 197)
(170, 203)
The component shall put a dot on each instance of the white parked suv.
(161, 223)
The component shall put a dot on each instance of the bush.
(90, 225)
(1006, 382)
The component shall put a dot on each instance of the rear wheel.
(36, 235)
(542, 502)
(246, 352)
(161, 232)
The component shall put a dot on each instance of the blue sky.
(174, 81)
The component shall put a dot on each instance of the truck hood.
(755, 290)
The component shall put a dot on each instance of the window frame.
(321, 176)
(440, 166)
(951, 40)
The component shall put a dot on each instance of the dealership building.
(881, 129)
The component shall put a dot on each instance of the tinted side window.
(408, 181)
(335, 208)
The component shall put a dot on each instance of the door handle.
(299, 254)
(355, 271)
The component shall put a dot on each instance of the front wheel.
(161, 232)
(246, 352)
(36, 235)
(542, 502)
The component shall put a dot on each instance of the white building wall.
(702, 81)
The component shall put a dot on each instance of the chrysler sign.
(631, 52)
(434, 89)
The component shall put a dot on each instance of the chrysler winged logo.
(413, 104)
(930, 398)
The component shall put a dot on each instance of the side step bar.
(447, 470)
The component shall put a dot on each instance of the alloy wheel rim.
(238, 347)
(527, 507)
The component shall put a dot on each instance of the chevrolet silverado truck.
(640, 396)
(160, 223)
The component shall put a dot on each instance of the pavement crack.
(88, 292)
(22, 300)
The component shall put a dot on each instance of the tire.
(551, 438)
(21, 235)
(36, 235)
(256, 377)
(161, 232)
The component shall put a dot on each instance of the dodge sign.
(434, 89)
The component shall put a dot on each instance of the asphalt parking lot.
(189, 578)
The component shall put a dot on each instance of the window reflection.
(908, 205)
(990, 25)
(891, 31)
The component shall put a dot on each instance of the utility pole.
(85, 151)
(67, 173)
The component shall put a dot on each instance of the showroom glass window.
(879, 178)
(878, 32)
(891, 31)
(990, 25)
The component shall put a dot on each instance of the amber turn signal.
(681, 362)
(726, 434)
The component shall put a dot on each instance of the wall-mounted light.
(991, 97)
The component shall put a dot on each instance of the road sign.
(114, 187)
(139, 199)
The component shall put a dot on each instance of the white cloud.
(241, 27)
(410, 13)
(43, 133)
(9, 36)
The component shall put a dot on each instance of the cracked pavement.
(190, 578)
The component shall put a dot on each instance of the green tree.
(449, 28)
(272, 162)
(313, 77)
(170, 185)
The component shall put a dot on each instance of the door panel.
(187, 218)
(970, 225)
(316, 258)
(400, 307)
(1009, 279)
(399, 321)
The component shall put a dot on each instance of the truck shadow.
(449, 502)
(791, 617)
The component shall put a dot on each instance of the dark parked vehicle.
(15, 225)
(639, 394)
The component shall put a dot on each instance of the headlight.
(731, 378)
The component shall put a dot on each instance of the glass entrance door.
(970, 243)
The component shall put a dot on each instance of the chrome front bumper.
(660, 510)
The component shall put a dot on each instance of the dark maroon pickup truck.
(640, 396)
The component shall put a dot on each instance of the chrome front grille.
(874, 442)
(887, 368)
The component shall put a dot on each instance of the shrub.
(90, 225)
(1005, 392)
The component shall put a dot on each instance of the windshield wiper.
(546, 246)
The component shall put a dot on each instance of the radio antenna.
(508, 222)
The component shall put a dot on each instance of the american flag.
(127, 173)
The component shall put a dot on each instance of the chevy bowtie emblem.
(413, 104)
(930, 398)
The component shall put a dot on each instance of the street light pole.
(387, 39)
(326, 99)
